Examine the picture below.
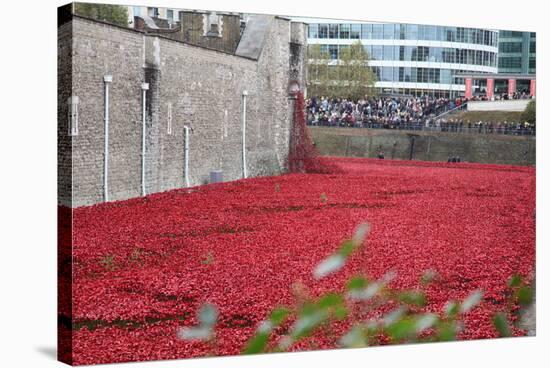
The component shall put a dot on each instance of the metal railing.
(446, 128)
(453, 110)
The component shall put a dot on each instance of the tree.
(348, 77)
(318, 71)
(354, 77)
(116, 14)
(530, 113)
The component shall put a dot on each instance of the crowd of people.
(521, 95)
(404, 113)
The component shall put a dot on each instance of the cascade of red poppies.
(303, 157)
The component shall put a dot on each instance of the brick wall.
(203, 88)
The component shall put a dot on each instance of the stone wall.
(64, 83)
(427, 146)
(188, 86)
(502, 105)
(193, 29)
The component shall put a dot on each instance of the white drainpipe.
(186, 159)
(245, 174)
(106, 80)
(144, 88)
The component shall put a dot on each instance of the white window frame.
(72, 114)
(169, 119)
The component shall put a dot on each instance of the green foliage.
(525, 295)
(337, 260)
(405, 322)
(207, 316)
(116, 14)
(451, 309)
(258, 342)
(515, 281)
(357, 283)
(500, 321)
(471, 301)
(416, 298)
(530, 113)
(446, 331)
(318, 82)
(353, 77)
(348, 77)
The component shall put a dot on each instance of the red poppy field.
(142, 267)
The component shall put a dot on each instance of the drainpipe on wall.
(245, 174)
(106, 80)
(144, 88)
(186, 159)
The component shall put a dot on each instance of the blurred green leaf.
(329, 265)
(394, 316)
(340, 312)
(278, 315)
(500, 321)
(334, 303)
(358, 282)
(257, 343)
(195, 333)
(404, 328)
(354, 338)
(446, 331)
(347, 248)
(451, 309)
(307, 322)
(366, 293)
(471, 301)
(360, 234)
(412, 298)
(525, 295)
(515, 281)
(425, 321)
(330, 300)
(208, 314)
(308, 308)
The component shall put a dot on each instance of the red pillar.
(490, 88)
(532, 87)
(511, 86)
(468, 86)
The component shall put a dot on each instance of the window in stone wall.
(72, 103)
(212, 24)
(169, 119)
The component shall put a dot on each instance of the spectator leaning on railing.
(413, 113)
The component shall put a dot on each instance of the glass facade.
(414, 53)
(412, 74)
(405, 32)
(517, 52)
(423, 53)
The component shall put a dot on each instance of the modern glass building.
(517, 55)
(414, 59)
(517, 52)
